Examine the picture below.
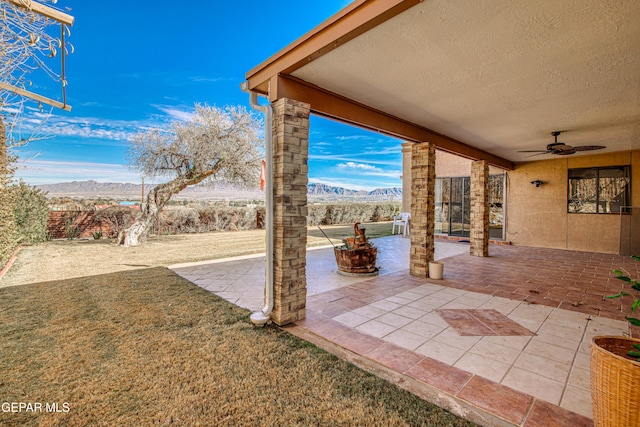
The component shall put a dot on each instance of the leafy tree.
(215, 144)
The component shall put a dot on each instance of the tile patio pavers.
(392, 320)
(513, 406)
(482, 323)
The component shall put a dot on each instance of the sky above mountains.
(139, 65)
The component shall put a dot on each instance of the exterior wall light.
(537, 182)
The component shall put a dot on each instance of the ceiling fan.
(562, 149)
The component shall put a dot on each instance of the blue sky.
(141, 64)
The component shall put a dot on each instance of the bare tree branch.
(27, 41)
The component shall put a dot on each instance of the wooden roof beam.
(327, 104)
(44, 10)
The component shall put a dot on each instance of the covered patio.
(530, 367)
(491, 82)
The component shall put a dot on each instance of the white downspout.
(262, 317)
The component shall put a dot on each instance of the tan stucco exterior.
(537, 216)
(451, 165)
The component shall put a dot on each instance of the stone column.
(423, 179)
(479, 227)
(406, 176)
(290, 177)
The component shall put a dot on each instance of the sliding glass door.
(453, 203)
(460, 203)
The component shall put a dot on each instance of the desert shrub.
(8, 231)
(97, 235)
(31, 213)
(347, 213)
(386, 211)
(317, 214)
(226, 218)
(261, 219)
(209, 218)
(71, 229)
(243, 218)
(179, 220)
(117, 218)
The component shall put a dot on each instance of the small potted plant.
(615, 369)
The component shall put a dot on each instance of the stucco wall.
(537, 216)
(452, 165)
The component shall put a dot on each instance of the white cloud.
(82, 127)
(200, 79)
(353, 158)
(354, 165)
(64, 125)
(354, 138)
(355, 184)
(344, 183)
(36, 172)
(176, 113)
(369, 170)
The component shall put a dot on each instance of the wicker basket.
(615, 382)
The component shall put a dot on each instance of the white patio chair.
(401, 220)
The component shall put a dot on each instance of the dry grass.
(63, 259)
(146, 347)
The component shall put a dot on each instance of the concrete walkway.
(496, 345)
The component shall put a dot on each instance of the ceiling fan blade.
(561, 149)
(589, 147)
(534, 151)
(539, 154)
(564, 152)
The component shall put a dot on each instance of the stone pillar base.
(290, 170)
(479, 227)
(423, 179)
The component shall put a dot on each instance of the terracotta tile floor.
(391, 324)
(484, 323)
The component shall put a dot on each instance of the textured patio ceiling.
(491, 76)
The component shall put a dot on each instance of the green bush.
(8, 231)
(31, 213)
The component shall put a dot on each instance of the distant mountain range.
(323, 190)
(94, 189)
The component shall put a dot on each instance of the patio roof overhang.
(480, 79)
